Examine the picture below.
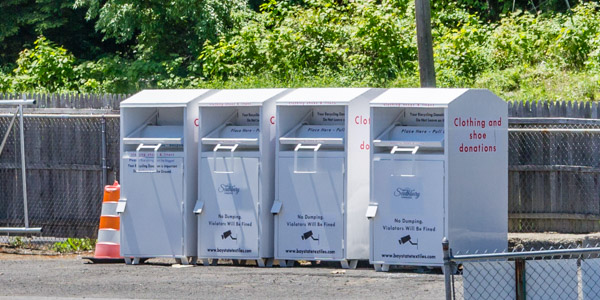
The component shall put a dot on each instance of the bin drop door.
(409, 224)
(311, 223)
(152, 219)
(228, 224)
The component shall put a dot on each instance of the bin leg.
(283, 263)
(344, 264)
(184, 260)
(260, 262)
(353, 263)
(286, 263)
(349, 264)
(214, 262)
(127, 260)
(385, 268)
(270, 262)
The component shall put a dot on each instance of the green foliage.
(47, 66)
(519, 49)
(74, 245)
(361, 39)
(160, 29)
(17, 242)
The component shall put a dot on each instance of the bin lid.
(163, 98)
(243, 135)
(153, 134)
(321, 96)
(425, 137)
(315, 134)
(417, 97)
(240, 97)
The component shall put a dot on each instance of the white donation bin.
(236, 176)
(158, 174)
(322, 176)
(439, 169)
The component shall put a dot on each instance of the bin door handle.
(276, 208)
(314, 148)
(137, 157)
(371, 210)
(231, 150)
(413, 150)
(121, 205)
(198, 207)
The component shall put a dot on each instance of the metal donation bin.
(158, 174)
(322, 176)
(236, 176)
(439, 169)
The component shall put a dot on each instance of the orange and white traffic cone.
(107, 246)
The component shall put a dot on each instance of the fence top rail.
(16, 102)
(577, 130)
(552, 121)
(525, 254)
(63, 116)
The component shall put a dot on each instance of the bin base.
(344, 263)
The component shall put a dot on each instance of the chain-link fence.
(64, 172)
(543, 274)
(554, 169)
(554, 175)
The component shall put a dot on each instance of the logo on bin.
(406, 193)
(229, 189)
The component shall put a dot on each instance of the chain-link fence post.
(447, 268)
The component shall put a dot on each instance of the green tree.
(162, 29)
(46, 67)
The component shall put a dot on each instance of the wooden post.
(520, 279)
(425, 43)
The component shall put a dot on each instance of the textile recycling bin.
(322, 175)
(159, 174)
(236, 176)
(439, 168)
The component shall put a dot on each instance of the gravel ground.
(52, 277)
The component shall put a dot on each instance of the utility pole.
(425, 43)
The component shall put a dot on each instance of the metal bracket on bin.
(121, 205)
(276, 208)
(137, 157)
(231, 149)
(198, 207)
(413, 151)
(314, 148)
(371, 210)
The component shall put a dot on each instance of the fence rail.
(554, 166)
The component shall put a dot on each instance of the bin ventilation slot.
(152, 134)
(233, 135)
(315, 134)
(410, 137)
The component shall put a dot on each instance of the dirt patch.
(547, 240)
